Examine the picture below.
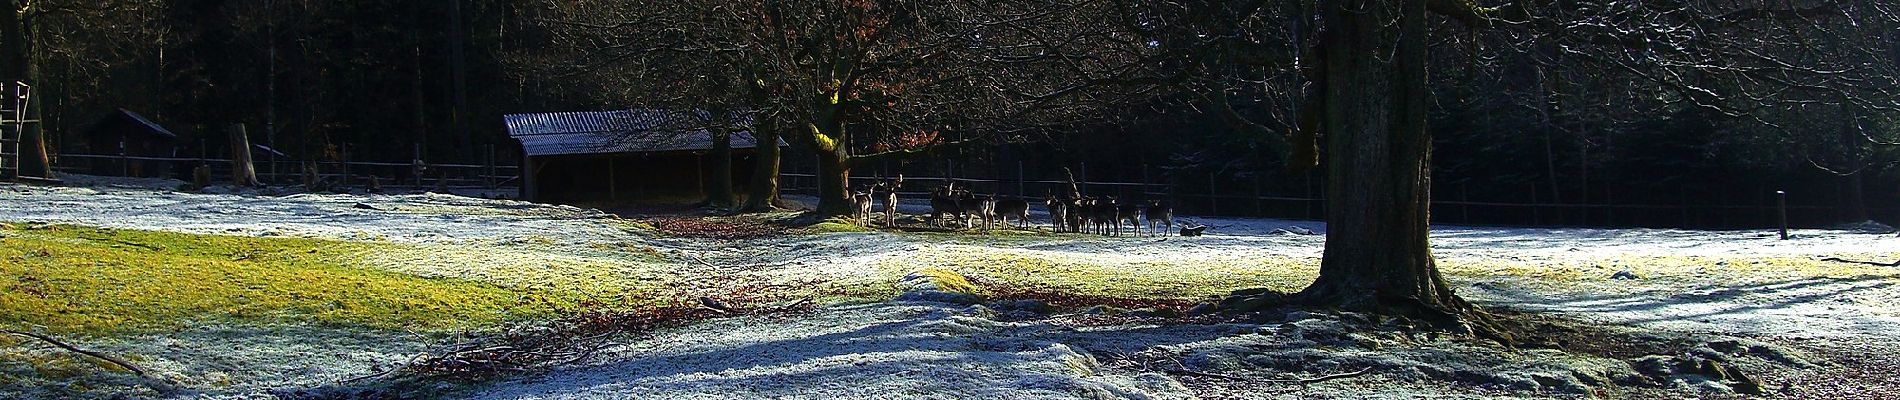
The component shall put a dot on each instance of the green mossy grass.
(80, 280)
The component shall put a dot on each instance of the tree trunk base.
(1450, 314)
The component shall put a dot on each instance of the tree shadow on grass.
(1818, 306)
(877, 350)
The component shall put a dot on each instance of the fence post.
(1781, 212)
(1259, 209)
(1144, 180)
(1464, 210)
(1213, 196)
(1683, 197)
(1537, 213)
(1082, 182)
(1306, 188)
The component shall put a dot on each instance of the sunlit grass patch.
(613, 275)
(1113, 276)
(833, 225)
(87, 280)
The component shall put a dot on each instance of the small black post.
(1781, 211)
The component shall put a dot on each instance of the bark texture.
(762, 192)
(719, 187)
(1378, 252)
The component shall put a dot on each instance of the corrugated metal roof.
(620, 131)
(149, 125)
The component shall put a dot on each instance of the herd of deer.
(1072, 213)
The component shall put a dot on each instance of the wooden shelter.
(622, 157)
(132, 137)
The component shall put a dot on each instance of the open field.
(236, 295)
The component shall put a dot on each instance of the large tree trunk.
(1378, 256)
(243, 171)
(762, 192)
(17, 65)
(719, 190)
(827, 139)
(834, 181)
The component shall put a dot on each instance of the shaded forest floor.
(1627, 313)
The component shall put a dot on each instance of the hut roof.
(619, 131)
(140, 123)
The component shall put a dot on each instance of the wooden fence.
(389, 175)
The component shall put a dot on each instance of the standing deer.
(890, 199)
(1013, 208)
(1058, 212)
(986, 210)
(1078, 214)
(944, 201)
(863, 202)
(970, 207)
(1129, 213)
(1160, 215)
(1102, 214)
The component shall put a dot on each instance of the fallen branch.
(701, 261)
(1185, 371)
(1323, 378)
(1873, 263)
(788, 306)
(102, 356)
(715, 305)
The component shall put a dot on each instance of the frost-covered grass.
(69, 279)
(512, 259)
(1113, 275)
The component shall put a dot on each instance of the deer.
(1058, 212)
(862, 200)
(986, 210)
(1084, 215)
(1129, 213)
(944, 201)
(1078, 214)
(1160, 215)
(1013, 208)
(968, 207)
(890, 199)
(1102, 214)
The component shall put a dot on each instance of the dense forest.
(1605, 103)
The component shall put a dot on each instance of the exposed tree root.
(1450, 314)
(101, 356)
(1896, 263)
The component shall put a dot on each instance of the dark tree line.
(370, 80)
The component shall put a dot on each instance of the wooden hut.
(622, 157)
(135, 139)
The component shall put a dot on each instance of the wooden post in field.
(1537, 213)
(1085, 179)
(243, 173)
(1781, 212)
(1213, 195)
(488, 168)
(1464, 210)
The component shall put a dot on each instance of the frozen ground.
(1740, 283)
